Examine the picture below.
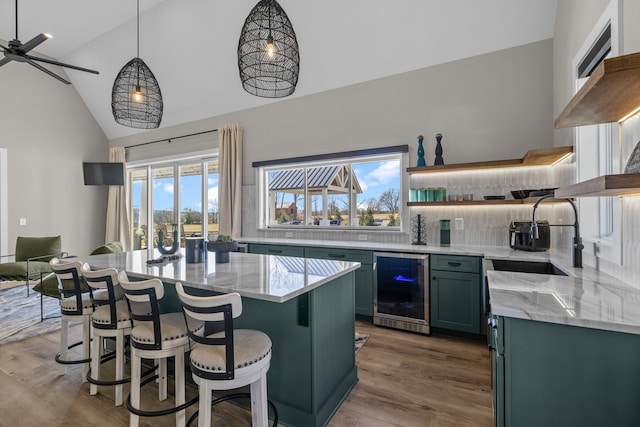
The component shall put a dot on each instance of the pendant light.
(136, 100)
(268, 56)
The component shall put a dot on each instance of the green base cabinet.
(363, 275)
(455, 297)
(561, 375)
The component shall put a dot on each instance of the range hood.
(609, 95)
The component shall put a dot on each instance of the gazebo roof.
(335, 179)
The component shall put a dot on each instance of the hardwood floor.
(406, 380)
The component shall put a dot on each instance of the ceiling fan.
(16, 51)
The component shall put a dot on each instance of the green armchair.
(31, 258)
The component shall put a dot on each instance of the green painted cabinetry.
(561, 375)
(455, 292)
(363, 275)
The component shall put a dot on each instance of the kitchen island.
(306, 306)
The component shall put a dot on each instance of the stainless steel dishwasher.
(401, 291)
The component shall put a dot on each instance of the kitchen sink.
(540, 267)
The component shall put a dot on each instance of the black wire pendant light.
(136, 100)
(268, 55)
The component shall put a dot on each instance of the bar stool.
(110, 319)
(154, 336)
(228, 359)
(75, 306)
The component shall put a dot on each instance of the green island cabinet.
(548, 374)
(363, 275)
(455, 292)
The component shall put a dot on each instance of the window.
(192, 210)
(598, 146)
(352, 192)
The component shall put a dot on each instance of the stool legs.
(136, 371)
(259, 409)
(135, 387)
(95, 362)
(119, 365)
(96, 355)
(64, 344)
(204, 405)
(179, 388)
(86, 345)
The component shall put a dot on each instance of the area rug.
(20, 315)
(361, 340)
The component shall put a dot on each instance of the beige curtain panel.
(230, 180)
(118, 229)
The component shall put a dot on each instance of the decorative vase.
(439, 160)
(633, 164)
(421, 161)
(222, 250)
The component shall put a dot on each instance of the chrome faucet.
(577, 241)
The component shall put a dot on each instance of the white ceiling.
(191, 45)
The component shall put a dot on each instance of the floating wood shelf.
(538, 157)
(527, 201)
(610, 94)
(606, 185)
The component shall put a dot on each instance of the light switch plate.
(362, 237)
(288, 234)
(459, 224)
(23, 221)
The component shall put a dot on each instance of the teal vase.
(421, 161)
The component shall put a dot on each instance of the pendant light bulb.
(137, 95)
(271, 47)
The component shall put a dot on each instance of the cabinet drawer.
(353, 255)
(465, 264)
(283, 250)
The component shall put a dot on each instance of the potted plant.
(222, 245)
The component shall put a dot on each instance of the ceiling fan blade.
(4, 61)
(41, 68)
(60, 64)
(33, 43)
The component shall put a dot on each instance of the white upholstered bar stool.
(110, 319)
(228, 359)
(75, 306)
(157, 337)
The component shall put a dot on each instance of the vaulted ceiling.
(190, 45)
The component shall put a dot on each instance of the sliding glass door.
(181, 195)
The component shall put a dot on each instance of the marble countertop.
(265, 277)
(585, 298)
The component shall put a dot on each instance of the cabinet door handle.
(455, 264)
(434, 278)
(275, 251)
(337, 255)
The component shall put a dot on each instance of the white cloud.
(168, 188)
(386, 172)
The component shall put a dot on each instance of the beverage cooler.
(401, 297)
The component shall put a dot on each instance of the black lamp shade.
(264, 75)
(145, 113)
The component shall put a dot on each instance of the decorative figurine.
(421, 161)
(439, 160)
(168, 250)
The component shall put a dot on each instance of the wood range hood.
(611, 94)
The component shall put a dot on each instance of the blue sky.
(375, 178)
(190, 195)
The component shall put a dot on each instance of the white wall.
(488, 107)
(48, 132)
